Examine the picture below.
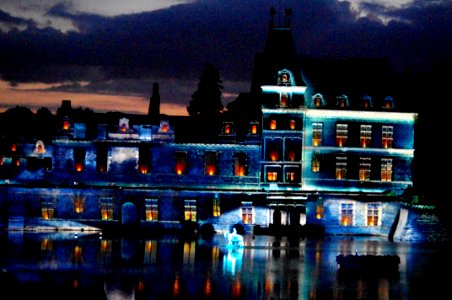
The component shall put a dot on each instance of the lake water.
(94, 266)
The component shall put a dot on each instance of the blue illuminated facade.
(306, 162)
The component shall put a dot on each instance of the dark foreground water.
(92, 266)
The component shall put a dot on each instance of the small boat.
(370, 264)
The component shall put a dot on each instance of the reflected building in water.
(266, 268)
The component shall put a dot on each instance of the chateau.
(335, 163)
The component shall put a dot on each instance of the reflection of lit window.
(240, 164)
(216, 206)
(315, 163)
(152, 209)
(319, 209)
(79, 204)
(190, 210)
(106, 208)
(47, 209)
(386, 169)
(273, 124)
(364, 169)
(210, 163)
(346, 214)
(365, 135)
(181, 162)
(386, 136)
(317, 133)
(341, 167)
(247, 212)
(373, 212)
(341, 134)
(77, 254)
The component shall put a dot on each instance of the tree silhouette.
(205, 108)
(206, 100)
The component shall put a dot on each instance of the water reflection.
(57, 265)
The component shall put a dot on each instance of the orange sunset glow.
(35, 96)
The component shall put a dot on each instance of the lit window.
(318, 100)
(152, 209)
(316, 163)
(272, 176)
(101, 159)
(365, 135)
(341, 134)
(373, 213)
(364, 169)
(106, 208)
(66, 125)
(79, 204)
(253, 129)
(190, 210)
(181, 162)
(292, 124)
(144, 160)
(317, 133)
(291, 175)
(290, 155)
(240, 164)
(386, 136)
(79, 159)
(47, 209)
(210, 163)
(284, 100)
(341, 168)
(386, 169)
(346, 214)
(13, 147)
(247, 212)
(227, 129)
(1, 160)
(216, 206)
(273, 124)
(272, 151)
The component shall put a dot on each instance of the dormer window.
(285, 78)
(123, 125)
(366, 102)
(342, 101)
(318, 100)
(39, 147)
(388, 102)
(66, 123)
(227, 129)
(253, 129)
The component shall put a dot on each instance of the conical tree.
(206, 100)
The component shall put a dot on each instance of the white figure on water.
(234, 238)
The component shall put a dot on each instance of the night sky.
(105, 54)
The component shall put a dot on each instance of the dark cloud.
(114, 53)
(7, 19)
